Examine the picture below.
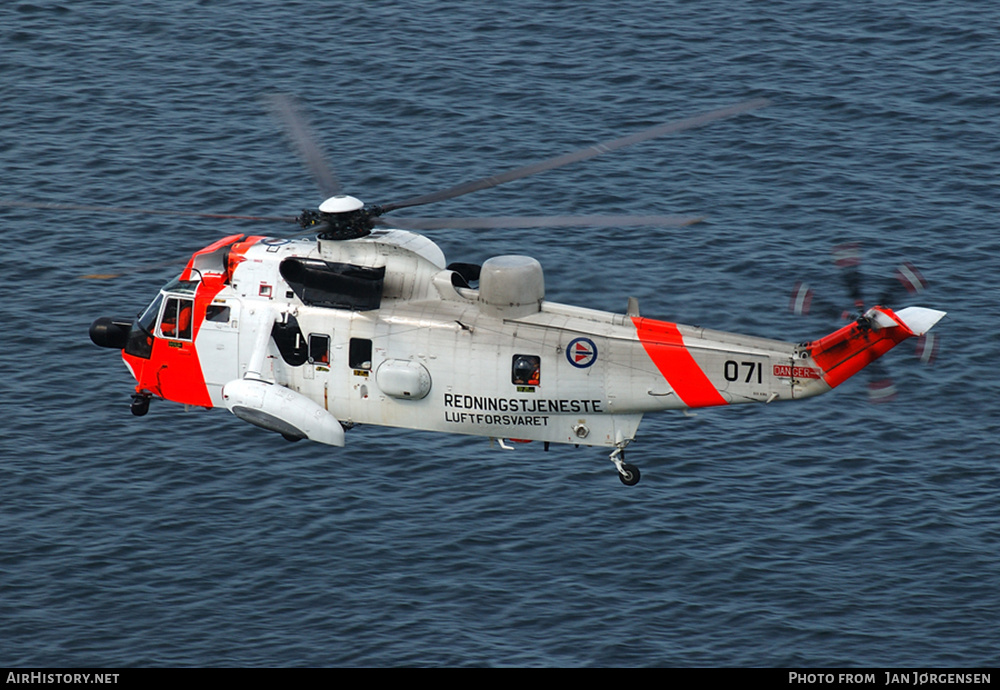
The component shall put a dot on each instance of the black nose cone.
(108, 332)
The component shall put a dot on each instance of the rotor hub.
(341, 217)
(342, 203)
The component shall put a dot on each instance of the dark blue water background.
(830, 532)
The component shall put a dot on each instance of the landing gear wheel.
(140, 405)
(629, 474)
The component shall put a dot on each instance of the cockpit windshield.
(147, 319)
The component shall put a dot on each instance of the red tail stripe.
(665, 346)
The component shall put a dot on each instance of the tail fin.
(847, 351)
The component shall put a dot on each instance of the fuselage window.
(319, 349)
(360, 354)
(217, 313)
(526, 370)
(176, 322)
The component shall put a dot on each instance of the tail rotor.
(907, 282)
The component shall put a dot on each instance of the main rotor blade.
(479, 223)
(312, 154)
(847, 257)
(136, 269)
(909, 281)
(582, 154)
(150, 211)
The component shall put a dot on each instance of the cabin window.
(319, 348)
(217, 313)
(360, 353)
(526, 370)
(176, 322)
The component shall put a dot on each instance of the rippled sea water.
(832, 532)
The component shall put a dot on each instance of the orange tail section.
(847, 351)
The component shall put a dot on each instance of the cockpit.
(169, 315)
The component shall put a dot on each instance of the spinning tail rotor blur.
(907, 281)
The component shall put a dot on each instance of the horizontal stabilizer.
(919, 319)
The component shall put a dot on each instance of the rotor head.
(341, 217)
(342, 203)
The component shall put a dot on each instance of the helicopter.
(364, 322)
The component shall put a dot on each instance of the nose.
(108, 332)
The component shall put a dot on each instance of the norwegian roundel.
(581, 352)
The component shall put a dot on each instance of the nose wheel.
(628, 473)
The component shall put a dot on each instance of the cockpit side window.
(176, 322)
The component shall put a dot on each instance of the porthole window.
(526, 370)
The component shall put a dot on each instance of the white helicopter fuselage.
(308, 338)
(311, 337)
